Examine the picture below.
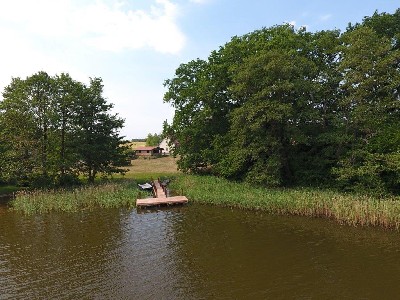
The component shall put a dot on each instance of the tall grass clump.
(107, 195)
(348, 209)
(8, 190)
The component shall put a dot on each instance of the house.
(165, 146)
(148, 151)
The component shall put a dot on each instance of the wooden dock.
(160, 197)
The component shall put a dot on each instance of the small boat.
(146, 186)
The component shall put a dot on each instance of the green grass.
(143, 170)
(8, 189)
(120, 191)
(344, 208)
(161, 165)
(107, 195)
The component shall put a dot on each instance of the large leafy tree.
(153, 139)
(371, 82)
(67, 94)
(25, 119)
(384, 25)
(287, 91)
(98, 144)
(256, 101)
(52, 128)
(200, 93)
(188, 93)
(280, 106)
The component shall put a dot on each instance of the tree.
(255, 104)
(288, 101)
(67, 93)
(280, 106)
(186, 92)
(99, 146)
(200, 94)
(52, 128)
(384, 25)
(3, 161)
(371, 84)
(153, 140)
(25, 121)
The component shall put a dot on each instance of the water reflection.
(192, 252)
(57, 254)
(247, 254)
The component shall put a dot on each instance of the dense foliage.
(281, 107)
(52, 129)
(153, 139)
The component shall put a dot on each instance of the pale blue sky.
(134, 45)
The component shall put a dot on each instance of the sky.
(135, 45)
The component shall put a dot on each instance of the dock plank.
(161, 201)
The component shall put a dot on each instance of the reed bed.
(344, 208)
(107, 195)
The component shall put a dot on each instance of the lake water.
(193, 252)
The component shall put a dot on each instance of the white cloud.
(105, 26)
(325, 17)
(295, 26)
(19, 57)
(200, 1)
(95, 38)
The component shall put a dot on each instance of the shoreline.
(107, 195)
(345, 209)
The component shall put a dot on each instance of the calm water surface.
(193, 252)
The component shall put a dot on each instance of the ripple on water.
(193, 252)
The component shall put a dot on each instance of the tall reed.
(108, 195)
(345, 208)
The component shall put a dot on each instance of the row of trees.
(282, 107)
(52, 129)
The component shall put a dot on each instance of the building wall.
(165, 146)
(144, 153)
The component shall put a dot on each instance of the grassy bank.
(8, 189)
(121, 191)
(108, 195)
(344, 208)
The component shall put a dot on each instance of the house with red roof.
(148, 151)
